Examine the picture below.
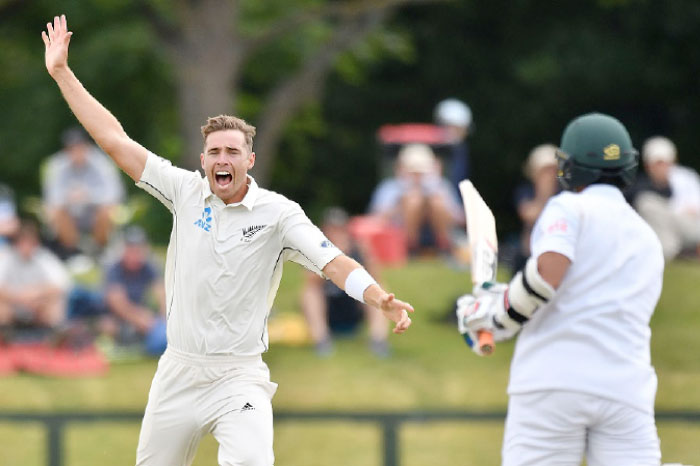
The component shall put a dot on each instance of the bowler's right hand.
(56, 39)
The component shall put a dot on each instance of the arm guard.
(526, 292)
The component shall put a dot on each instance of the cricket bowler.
(223, 267)
(581, 380)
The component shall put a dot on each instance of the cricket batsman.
(581, 380)
(223, 267)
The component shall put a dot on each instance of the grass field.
(430, 369)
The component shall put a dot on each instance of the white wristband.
(357, 282)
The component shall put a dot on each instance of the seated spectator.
(419, 199)
(530, 197)
(81, 187)
(328, 310)
(33, 283)
(668, 198)
(8, 214)
(131, 284)
(455, 117)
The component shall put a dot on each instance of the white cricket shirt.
(224, 262)
(594, 335)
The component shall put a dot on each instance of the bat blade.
(483, 245)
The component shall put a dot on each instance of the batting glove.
(476, 312)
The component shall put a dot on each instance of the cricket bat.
(483, 246)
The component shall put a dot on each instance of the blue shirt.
(136, 283)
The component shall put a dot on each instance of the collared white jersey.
(224, 262)
(594, 335)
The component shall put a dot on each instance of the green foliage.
(526, 68)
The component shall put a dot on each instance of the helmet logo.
(612, 152)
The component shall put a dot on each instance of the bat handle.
(486, 344)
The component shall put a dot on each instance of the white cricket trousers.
(192, 395)
(560, 427)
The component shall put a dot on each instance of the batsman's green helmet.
(596, 147)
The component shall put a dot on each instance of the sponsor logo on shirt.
(205, 222)
(327, 244)
(250, 231)
(558, 226)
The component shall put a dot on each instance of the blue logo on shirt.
(205, 222)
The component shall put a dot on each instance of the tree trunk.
(208, 55)
(198, 101)
(207, 60)
(302, 87)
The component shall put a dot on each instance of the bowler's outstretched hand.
(396, 311)
(56, 39)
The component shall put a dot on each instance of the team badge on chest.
(251, 231)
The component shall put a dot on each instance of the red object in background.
(406, 133)
(7, 362)
(386, 242)
(43, 359)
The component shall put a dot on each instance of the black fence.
(389, 422)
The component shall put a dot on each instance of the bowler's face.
(226, 161)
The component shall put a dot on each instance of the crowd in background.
(415, 209)
(45, 312)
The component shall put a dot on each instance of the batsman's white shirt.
(593, 336)
(224, 262)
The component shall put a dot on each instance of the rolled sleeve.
(305, 243)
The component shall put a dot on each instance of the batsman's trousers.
(560, 427)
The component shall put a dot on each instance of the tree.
(209, 42)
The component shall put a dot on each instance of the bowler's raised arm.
(104, 128)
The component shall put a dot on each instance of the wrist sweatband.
(357, 282)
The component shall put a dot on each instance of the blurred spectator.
(81, 187)
(131, 284)
(33, 282)
(328, 310)
(455, 117)
(668, 198)
(8, 214)
(419, 199)
(540, 169)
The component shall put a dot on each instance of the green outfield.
(431, 369)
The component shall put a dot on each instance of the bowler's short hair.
(226, 122)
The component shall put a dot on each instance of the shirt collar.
(248, 200)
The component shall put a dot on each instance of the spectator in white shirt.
(419, 199)
(81, 188)
(668, 198)
(33, 282)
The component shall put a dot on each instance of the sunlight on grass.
(326, 443)
(451, 443)
(22, 444)
(430, 369)
(679, 442)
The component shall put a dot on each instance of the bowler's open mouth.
(223, 178)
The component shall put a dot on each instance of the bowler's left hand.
(396, 311)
